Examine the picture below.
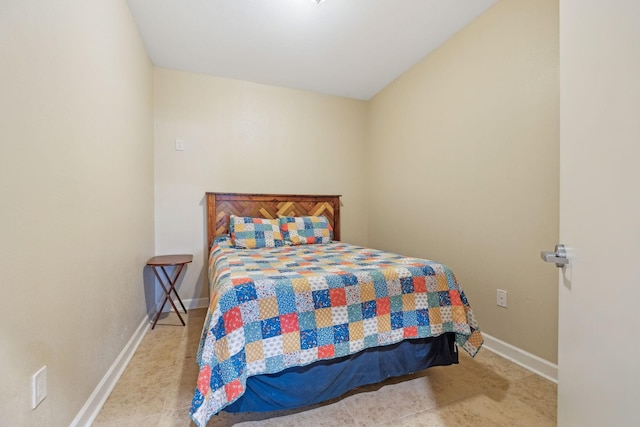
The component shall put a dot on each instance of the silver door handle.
(559, 256)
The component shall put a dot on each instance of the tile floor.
(157, 386)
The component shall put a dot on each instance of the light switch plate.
(38, 387)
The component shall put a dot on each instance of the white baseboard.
(91, 408)
(94, 404)
(529, 361)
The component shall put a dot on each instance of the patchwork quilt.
(275, 308)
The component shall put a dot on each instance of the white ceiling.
(351, 48)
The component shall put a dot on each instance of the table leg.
(173, 283)
(167, 292)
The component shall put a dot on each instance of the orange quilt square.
(337, 297)
(326, 351)
(289, 323)
(419, 284)
(411, 331)
(383, 306)
(232, 319)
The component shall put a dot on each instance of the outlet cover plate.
(502, 298)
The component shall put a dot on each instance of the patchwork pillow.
(306, 230)
(249, 233)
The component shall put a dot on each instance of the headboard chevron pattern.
(221, 205)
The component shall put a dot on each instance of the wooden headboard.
(270, 206)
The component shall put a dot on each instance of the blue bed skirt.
(327, 379)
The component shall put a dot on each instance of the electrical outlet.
(38, 387)
(502, 298)
(179, 145)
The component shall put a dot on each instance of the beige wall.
(76, 184)
(466, 143)
(463, 167)
(249, 138)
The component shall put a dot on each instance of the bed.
(297, 317)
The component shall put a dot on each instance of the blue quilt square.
(368, 309)
(376, 275)
(271, 327)
(396, 303)
(308, 339)
(445, 300)
(349, 279)
(451, 280)
(463, 298)
(433, 299)
(218, 329)
(227, 301)
(415, 271)
(239, 361)
(424, 331)
(228, 371)
(340, 333)
(423, 317)
(246, 292)
(371, 340)
(410, 318)
(380, 287)
(253, 332)
(274, 364)
(325, 336)
(407, 285)
(307, 320)
(397, 320)
(321, 299)
(216, 378)
(354, 312)
(286, 299)
(427, 271)
(342, 349)
(198, 398)
(334, 281)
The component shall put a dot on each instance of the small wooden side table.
(159, 263)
